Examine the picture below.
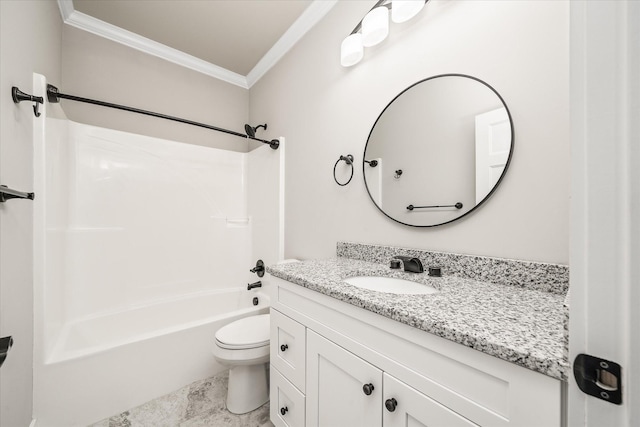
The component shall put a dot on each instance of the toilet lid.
(249, 332)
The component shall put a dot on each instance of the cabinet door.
(407, 407)
(335, 380)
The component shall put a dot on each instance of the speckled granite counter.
(521, 325)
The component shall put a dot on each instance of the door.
(604, 319)
(342, 389)
(493, 144)
(407, 407)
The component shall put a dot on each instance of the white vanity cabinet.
(362, 369)
(345, 390)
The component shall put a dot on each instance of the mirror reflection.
(440, 149)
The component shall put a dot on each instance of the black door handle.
(5, 346)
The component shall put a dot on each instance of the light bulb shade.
(375, 26)
(351, 50)
(403, 10)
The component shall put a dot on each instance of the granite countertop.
(519, 325)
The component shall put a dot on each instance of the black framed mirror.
(438, 150)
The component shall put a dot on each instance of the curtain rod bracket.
(52, 94)
(18, 96)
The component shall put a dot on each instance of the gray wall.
(30, 34)
(325, 110)
(97, 68)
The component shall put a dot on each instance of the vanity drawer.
(287, 404)
(288, 343)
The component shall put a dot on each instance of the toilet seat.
(247, 333)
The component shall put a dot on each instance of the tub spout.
(257, 284)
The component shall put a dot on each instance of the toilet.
(243, 345)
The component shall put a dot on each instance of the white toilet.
(243, 345)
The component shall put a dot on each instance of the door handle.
(5, 346)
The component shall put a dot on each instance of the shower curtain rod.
(54, 95)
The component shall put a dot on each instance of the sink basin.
(390, 285)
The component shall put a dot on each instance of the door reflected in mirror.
(442, 146)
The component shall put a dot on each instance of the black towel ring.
(348, 160)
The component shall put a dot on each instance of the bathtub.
(95, 334)
(103, 365)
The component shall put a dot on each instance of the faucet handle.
(411, 264)
(259, 268)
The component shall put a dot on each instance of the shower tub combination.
(142, 248)
(107, 364)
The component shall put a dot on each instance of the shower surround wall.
(133, 221)
(142, 248)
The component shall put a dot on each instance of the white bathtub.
(96, 334)
(108, 364)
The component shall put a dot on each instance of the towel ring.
(348, 159)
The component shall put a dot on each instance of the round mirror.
(438, 150)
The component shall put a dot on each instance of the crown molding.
(66, 8)
(316, 11)
(143, 44)
(309, 18)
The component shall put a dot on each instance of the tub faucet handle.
(259, 268)
(257, 284)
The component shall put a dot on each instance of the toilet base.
(248, 388)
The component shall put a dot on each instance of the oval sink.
(390, 285)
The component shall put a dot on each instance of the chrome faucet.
(413, 265)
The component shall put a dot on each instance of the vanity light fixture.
(352, 50)
(374, 27)
(403, 10)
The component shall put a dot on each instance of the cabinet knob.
(391, 404)
(367, 389)
(284, 410)
(283, 347)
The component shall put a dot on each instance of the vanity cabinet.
(358, 368)
(345, 390)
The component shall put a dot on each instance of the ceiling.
(234, 40)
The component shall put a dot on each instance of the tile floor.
(201, 404)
